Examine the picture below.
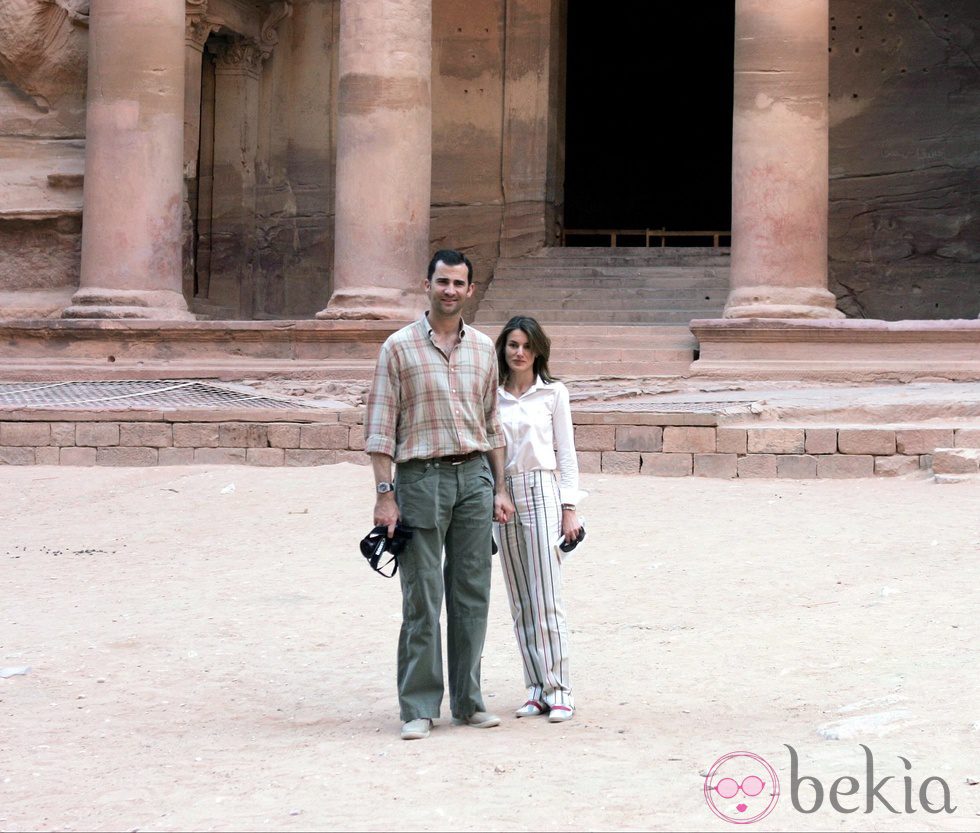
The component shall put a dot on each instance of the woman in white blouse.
(536, 418)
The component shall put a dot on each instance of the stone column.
(780, 161)
(384, 159)
(131, 233)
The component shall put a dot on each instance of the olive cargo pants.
(448, 506)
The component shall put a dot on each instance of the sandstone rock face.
(904, 231)
(904, 121)
(43, 48)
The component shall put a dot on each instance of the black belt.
(456, 459)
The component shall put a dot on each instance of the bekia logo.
(742, 787)
(873, 791)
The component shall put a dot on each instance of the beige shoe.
(559, 714)
(416, 729)
(478, 720)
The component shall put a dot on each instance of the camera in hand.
(568, 546)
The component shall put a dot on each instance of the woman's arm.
(561, 421)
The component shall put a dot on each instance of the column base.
(781, 302)
(371, 303)
(156, 305)
(33, 304)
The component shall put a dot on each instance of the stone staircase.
(620, 312)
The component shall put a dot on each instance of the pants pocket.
(417, 496)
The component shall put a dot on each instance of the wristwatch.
(383, 488)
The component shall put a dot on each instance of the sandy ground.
(204, 658)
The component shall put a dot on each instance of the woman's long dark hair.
(537, 342)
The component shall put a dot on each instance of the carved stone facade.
(306, 154)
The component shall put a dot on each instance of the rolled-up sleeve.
(495, 432)
(381, 417)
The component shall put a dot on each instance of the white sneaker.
(532, 708)
(559, 714)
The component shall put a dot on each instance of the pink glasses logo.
(741, 788)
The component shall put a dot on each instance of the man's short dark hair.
(451, 258)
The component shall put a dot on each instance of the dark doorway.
(648, 134)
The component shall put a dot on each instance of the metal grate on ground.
(138, 395)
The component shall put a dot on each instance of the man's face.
(448, 290)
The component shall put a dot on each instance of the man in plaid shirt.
(432, 412)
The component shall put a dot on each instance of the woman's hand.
(570, 526)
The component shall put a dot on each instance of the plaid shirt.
(425, 404)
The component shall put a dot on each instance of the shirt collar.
(537, 384)
(427, 328)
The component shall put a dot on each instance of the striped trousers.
(533, 574)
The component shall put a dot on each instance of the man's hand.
(386, 512)
(503, 507)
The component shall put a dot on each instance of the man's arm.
(380, 427)
(385, 507)
(503, 508)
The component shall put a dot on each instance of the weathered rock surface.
(904, 96)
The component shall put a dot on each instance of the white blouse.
(533, 425)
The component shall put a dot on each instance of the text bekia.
(848, 785)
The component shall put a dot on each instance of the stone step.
(626, 251)
(513, 289)
(588, 350)
(693, 256)
(666, 333)
(611, 317)
(628, 336)
(703, 301)
(585, 370)
(626, 274)
(580, 353)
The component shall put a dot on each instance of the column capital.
(268, 36)
(196, 23)
(239, 55)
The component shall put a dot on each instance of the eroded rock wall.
(904, 158)
(43, 47)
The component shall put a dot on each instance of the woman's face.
(519, 355)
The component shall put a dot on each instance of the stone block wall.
(655, 445)
(797, 452)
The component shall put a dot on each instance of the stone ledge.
(837, 349)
